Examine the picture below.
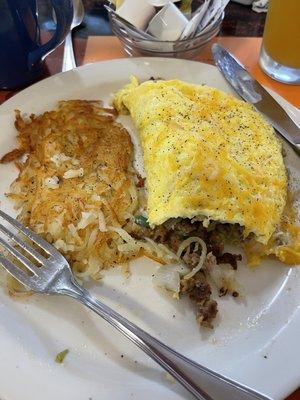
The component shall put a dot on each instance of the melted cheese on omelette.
(208, 155)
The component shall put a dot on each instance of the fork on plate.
(51, 274)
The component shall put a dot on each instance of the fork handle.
(194, 377)
(68, 62)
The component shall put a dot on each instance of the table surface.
(92, 43)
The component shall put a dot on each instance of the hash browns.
(76, 182)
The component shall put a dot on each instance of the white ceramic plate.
(256, 341)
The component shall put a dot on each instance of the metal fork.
(53, 275)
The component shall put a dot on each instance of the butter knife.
(253, 92)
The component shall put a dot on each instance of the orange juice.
(282, 32)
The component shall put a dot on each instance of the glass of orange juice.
(280, 52)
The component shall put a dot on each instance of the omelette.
(208, 156)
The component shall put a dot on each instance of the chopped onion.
(87, 217)
(52, 182)
(186, 243)
(102, 222)
(122, 233)
(162, 250)
(168, 276)
(223, 276)
(73, 173)
(62, 245)
(157, 250)
(92, 238)
(59, 158)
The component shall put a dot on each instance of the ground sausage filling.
(218, 266)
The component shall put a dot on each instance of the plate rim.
(85, 67)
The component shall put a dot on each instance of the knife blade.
(253, 92)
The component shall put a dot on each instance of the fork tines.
(14, 244)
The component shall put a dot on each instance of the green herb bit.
(61, 356)
(142, 221)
